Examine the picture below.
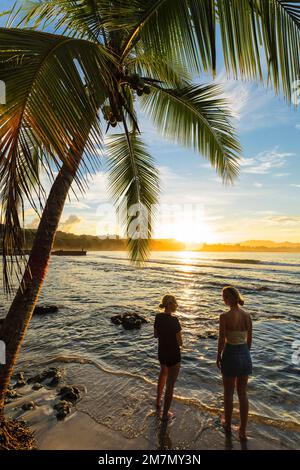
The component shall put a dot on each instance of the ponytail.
(233, 295)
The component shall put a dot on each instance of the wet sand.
(116, 411)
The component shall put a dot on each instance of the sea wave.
(218, 260)
(288, 425)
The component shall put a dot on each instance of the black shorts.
(170, 360)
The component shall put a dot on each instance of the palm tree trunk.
(19, 315)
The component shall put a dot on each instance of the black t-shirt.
(167, 326)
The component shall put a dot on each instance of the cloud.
(265, 162)
(253, 106)
(33, 225)
(257, 185)
(237, 93)
(191, 189)
(298, 126)
(283, 220)
(77, 205)
(69, 223)
(295, 185)
(97, 191)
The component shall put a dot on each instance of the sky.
(263, 204)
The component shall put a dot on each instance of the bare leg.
(172, 377)
(162, 378)
(241, 386)
(229, 383)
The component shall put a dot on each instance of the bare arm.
(249, 333)
(221, 341)
(179, 338)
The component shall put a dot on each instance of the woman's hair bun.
(167, 299)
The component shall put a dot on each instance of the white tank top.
(236, 337)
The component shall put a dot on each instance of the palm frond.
(253, 33)
(54, 86)
(147, 64)
(166, 29)
(280, 37)
(134, 185)
(89, 19)
(196, 116)
(292, 8)
(72, 18)
(259, 34)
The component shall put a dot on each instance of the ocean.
(91, 289)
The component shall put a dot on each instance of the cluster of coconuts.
(137, 84)
(110, 117)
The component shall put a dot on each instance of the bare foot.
(225, 426)
(167, 417)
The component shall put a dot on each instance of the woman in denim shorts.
(234, 359)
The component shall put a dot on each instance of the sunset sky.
(263, 203)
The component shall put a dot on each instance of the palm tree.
(105, 55)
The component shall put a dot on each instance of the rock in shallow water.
(37, 386)
(63, 408)
(129, 321)
(12, 394)
(45, 309)
(52, 375)
(30, 405)
(69, 393)
(20, 379)
(208, 335)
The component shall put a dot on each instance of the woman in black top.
(168, 331)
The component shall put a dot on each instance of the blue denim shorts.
(236, 360)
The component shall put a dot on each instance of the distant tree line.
(70, 241)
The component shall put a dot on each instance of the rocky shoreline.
(51, 378)
(15, 434)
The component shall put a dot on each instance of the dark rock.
(45, 309)
(37, 386)
(56, 379)
(30, 405)
(212, 336)
(20, 383)
(208, 335)
(12, 394)
(53, 373)
(129, 321)
(116, 320)
(19, 376)
(69, 393)
(63, 408)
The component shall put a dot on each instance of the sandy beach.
(108, 417)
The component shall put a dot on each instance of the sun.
(189, 232)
